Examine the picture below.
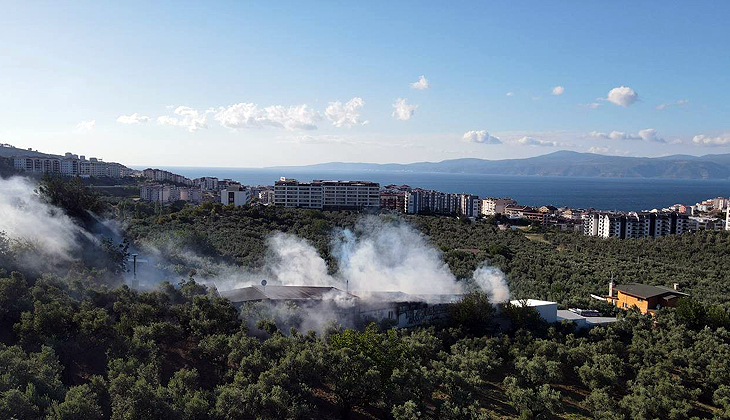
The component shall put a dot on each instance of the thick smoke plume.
(24, 217)
(374, 256)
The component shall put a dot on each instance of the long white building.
(635, 225)
(71, 165)
(325, 194)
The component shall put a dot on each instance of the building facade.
(492, 205)
(635, 225)
(164, 194)
(71, 165)
(238, 196)
(326, 194)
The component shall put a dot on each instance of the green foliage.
(474, 312)
(71, 195)
(70, 347)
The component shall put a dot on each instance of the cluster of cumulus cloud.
(347, 114)
(245, 115)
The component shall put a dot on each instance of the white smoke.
(493, 282)
(294, 261)
(26, 218)
(374, 256)
(378, 256)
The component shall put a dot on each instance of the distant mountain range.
(562, 163)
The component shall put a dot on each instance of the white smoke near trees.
(25, 218)
(493, 282)
(378, 256)
(294, 261)
(374, 256)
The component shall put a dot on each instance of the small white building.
(547, 310)
(236, 195)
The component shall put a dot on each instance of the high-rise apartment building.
(325, 194)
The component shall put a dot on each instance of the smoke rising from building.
(374, 256)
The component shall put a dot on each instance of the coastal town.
(164, 187)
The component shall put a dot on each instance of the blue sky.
(272, 83)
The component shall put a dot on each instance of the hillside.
(562, 163)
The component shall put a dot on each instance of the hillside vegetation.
(75, 345)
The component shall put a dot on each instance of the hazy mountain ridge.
(561, 163)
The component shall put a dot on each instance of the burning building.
(351, 308)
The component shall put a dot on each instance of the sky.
(255, 84)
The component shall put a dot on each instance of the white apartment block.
(238, 196)
(492, 205)
(324, 194)
(635, 225)
(72, 165)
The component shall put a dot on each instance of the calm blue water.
(600, 193)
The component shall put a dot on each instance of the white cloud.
(480, 136)
(187, 118)
(531, 141)
(510, 94)
(345, 115)
(403, 111)
(558, 90)
(85, 125)
(598, 149)
(249, 115)
(591, 105)
(421, 84)
(133, 119)
(622, 96)
(605, 150)
(650, 134)
(704, 140)
(667, 104)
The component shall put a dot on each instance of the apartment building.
(492, 205)
(342, 195)
(393, 200)
(289, 192)
(236, 195)
(71, 165)
(635, 225)
(469, 205)
(207, 183)
(160, 175)
(429, 201)
(327, 194)
(164, 194)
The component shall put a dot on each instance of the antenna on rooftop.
(263, 285)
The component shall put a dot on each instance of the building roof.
(645, 291)
(532, 302)
(401, 297)
(253, 293)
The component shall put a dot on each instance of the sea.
(624, 194)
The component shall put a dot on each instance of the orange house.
(646, 298)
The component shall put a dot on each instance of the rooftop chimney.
(610, 287)
(676, 286)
